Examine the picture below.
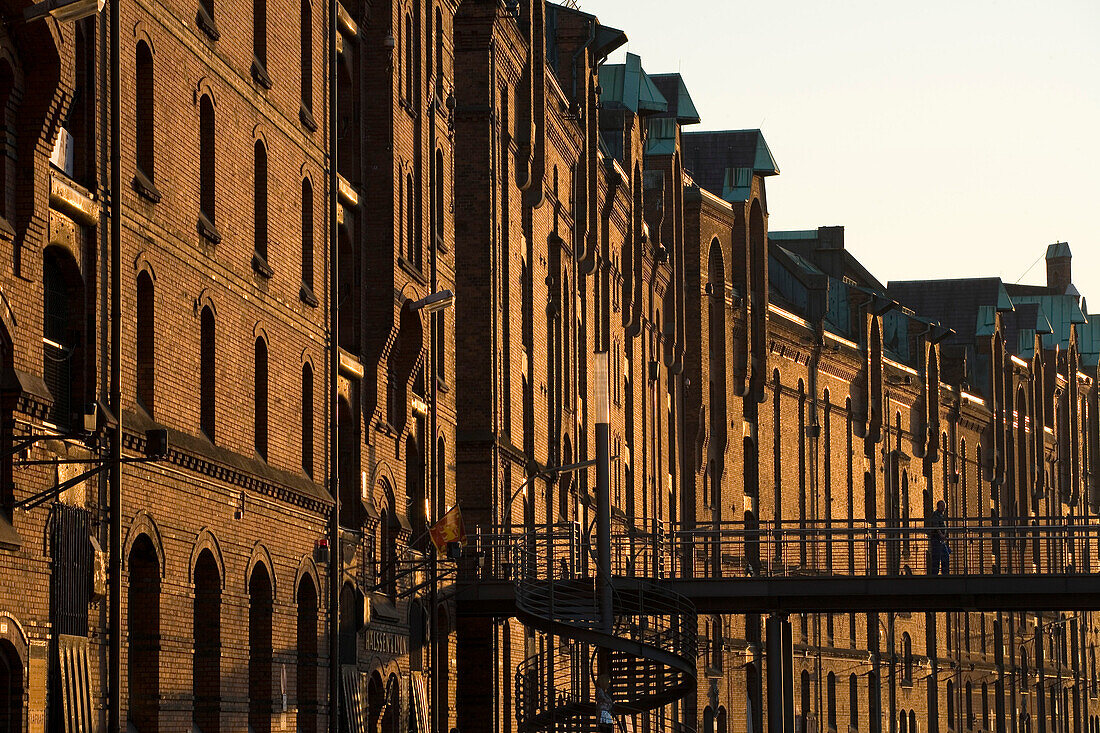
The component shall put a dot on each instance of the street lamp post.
(602, 408)
(435, 305)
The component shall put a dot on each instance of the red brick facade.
(487, 149)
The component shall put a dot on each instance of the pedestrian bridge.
(663, 576)
(1005, 564)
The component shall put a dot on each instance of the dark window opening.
(207, 375)
(307, 419)
(259, 651)
(146, 343)
(306, 678)
(207, 198)
(145, 121)
(259, 43)
(143, 627)
(307, 56)
(206, 663)
(259, 208)
(62, 334)
(307, 241)
(408, 59)
(260, 412)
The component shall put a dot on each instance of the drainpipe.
(114, 471)
(336, 553)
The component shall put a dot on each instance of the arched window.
(441, 346)
(969, 706)
(146, 343)
(143, 627)
(62, 333)
(207, 198)
(440, 198)
(414, 490)
(439, 50)
(307, 238)
(11, 688)
(259, 207)
(259, 650)
(306, 679)
(207, 378)
(951, 705)
(387, 553)
(307, 419)
(441, 470)
(307, 57)
(907, 657)
(411, 244)
(853, 702)
(830, 695)
(144, 111)
(206, 632)
(261, 406)
(409, 76)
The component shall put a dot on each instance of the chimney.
(830, 237)
(1058, 267)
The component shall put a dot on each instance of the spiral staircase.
(652, 648)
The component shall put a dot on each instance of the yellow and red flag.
(449, 529)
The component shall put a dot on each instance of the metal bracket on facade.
(156, 442)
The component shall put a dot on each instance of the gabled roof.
(627, 86)
(680, 104)
(965, 305)
(724, 162)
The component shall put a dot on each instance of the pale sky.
(950, 139)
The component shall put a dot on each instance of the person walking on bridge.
(939, 552)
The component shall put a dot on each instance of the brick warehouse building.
(758, 377)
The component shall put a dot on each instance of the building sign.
(387, 643)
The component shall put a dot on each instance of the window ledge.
(306, 118)
(305, 294)
(259, 74)
(206, 23)
(207, 230)
(260, 266)
(145, 188)
(412, 270)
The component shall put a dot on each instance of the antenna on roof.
(1021, 277)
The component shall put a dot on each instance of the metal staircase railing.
(652, 648)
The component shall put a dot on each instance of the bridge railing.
(656, 550)
(973, 546)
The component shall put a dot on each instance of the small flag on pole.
(449, 529)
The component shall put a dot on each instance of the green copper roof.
(1058, 249)
(627, 85)
(675, 91)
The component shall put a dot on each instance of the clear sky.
(951, 139)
